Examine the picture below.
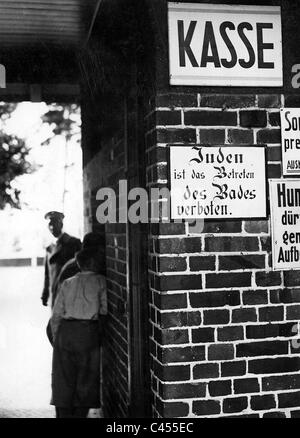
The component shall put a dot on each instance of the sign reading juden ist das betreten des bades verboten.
(220, 182)
(225, 45)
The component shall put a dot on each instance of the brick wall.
(222, 321)
(104, 170)
(115, 67)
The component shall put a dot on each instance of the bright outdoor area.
(45, 139)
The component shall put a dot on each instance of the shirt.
(80, 297)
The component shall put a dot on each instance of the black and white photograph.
(149, 212)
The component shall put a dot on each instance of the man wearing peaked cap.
(54, 215)
(57, 254)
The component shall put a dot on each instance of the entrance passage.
(25, 372)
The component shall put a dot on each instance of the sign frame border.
(185, 6)
(262, 146)
(271, 224)
(287, 175)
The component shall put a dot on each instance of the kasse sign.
(225, 45)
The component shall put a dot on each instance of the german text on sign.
(225, 45)
(285, 222)
(222, 182)
(290, 140)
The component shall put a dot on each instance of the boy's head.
(91, 240)
(95, 242)
(87, 259)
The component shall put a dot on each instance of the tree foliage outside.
(62, 119)
(13, 160)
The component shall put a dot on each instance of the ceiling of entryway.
(51, 23)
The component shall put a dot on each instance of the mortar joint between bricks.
(217, 262)
(203, 276)
(191, 415)
(255, 131)
(198, 138)
(245, 337)
(256, 100)
(226, 136)
(186, 228)
(190, 307)
(259, 378)
(160, 145)
(267, 260)
(154, 147)
(248, 409)
(260, 245)
(253, 283)
(163, 108)
(238, 119)
(202, 237)
(284, 314)
(282, 279)
(182, 116)
(170, 126)
(190, 335)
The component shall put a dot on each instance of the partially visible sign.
(222, 182)
(285, 222)
(290, 140)
(225, 45)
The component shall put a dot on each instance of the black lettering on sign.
(243, 63)
(209, 47)
(261, 46)
(185, 43)
(286, 116)
(225, 62)
(210, 41)
(288, 197)
(293, 124)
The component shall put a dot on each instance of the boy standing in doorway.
(76, 325)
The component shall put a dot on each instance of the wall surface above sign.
(225, 45)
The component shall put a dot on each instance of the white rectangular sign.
(220, 182)
(290, 140)
(225, 45)
(285, 222)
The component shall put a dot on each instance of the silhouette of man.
(57, 254)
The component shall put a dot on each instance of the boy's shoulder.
(66, 283)
(70, 280)
(90, 277)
